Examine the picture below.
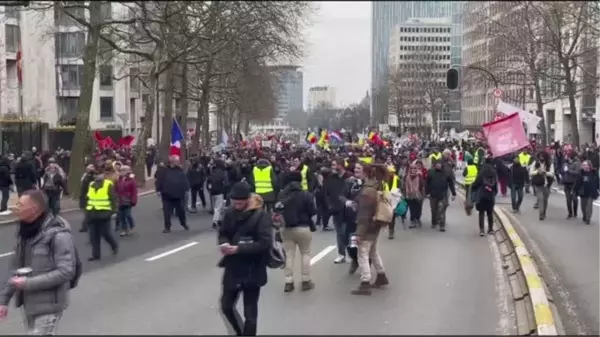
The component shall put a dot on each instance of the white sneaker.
(340, 259)
(6, 213)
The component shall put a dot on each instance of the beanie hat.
(293, 176)
(240, 191)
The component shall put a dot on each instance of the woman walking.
(413, 190)
(486, 188)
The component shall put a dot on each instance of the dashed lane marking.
(172, 251)
(7, 254)
(322, 254)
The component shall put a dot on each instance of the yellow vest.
(524, 159)
(99, 199)
(471, 174)
(304, 174)
(366, 160)
(476, 158)
(435, 156)
(386, 186)
(262, 180)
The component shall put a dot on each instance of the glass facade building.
(385, 15)
(452, 116)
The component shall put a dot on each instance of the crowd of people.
(254, 193)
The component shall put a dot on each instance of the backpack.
(384, 214)
(486, 191)
(78, 265)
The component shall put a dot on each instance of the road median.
(535, 311)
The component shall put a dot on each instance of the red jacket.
(126, 190)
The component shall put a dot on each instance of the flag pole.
(20, 69)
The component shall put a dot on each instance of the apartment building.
(321, 95)
(482, 49)
(419, 56)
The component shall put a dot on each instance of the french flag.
(336, 135)
(176, 139)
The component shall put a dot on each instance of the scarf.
(30, 230)
(413, 186)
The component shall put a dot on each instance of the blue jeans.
(125, 218)
(516, 197)
(342, 235)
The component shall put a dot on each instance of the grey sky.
(339, 50)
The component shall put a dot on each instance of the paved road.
(441, 283)
(568, 253)
(148, 236)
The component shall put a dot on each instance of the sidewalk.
(66, 204)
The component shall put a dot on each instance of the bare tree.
(397, 91)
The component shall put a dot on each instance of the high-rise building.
(289, 79)
(419, 58)
(321, 95)
(451, 117)
(385, 15)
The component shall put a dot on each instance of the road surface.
(441, 283)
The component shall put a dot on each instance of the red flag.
(126, 141)
(20, 64)
(505, 135)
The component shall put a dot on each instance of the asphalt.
(568, 255)
(441, 283)
(147, 235)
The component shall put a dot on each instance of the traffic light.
(452, 79)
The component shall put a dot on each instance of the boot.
(307, 285)
(353, 267)
(289, 287)
(381, 280)
(363, 289)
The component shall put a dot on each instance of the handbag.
(401, 208)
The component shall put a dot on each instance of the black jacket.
(588, 185)
(299, 207)
(217, 182)
(335, 191)
(438, 183)
(173, 183)
(518, 176)
(25, 174)
(5, 179)
(248, 266)
(196, 176)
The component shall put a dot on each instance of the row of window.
(64, 16)
(71, 76)
(70, 106)
(412, 57)
(425, 38)
(424, 48)
(424, 30)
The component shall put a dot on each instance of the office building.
(419, 56)
(386, 15)
(321, 96)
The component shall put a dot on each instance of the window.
(106, 11)
(134, 82)
(70, 105)
(71, 76)
(70, 44)
(61, 18)
(106, 76)
(106, 108)
(11, 12)
(12, 38)
(104, 50)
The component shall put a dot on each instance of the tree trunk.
(540, 111)
(203, 110)
(183, 112)
(165, 138)
(146, 131)
(571, 91)
(82, 139)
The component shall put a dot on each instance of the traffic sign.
(498, 93)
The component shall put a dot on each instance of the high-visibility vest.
(524, 159)
(386, 186)
(99, 199)
(471, 174)
(304, 174)
(435, 156)
(366, 160)
(262, 180)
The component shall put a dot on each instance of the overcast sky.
(339, 50)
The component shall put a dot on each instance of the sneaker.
(363, 289)
(490, 231)
(481, 233)
(288, 288)
(353, 267)
(340, 259)
(307, 285)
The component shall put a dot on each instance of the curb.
(529, 289)
(70, 210)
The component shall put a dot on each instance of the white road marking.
(7, 254)
(172, 251)
(322, 254)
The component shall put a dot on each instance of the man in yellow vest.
(469, 173)
(101, 204)
(525, 160)
(392, 184)
(307, 181)
(264, 182)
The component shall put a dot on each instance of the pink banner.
(505, 135)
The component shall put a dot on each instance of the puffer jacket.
(366, 228)
(46, 290)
